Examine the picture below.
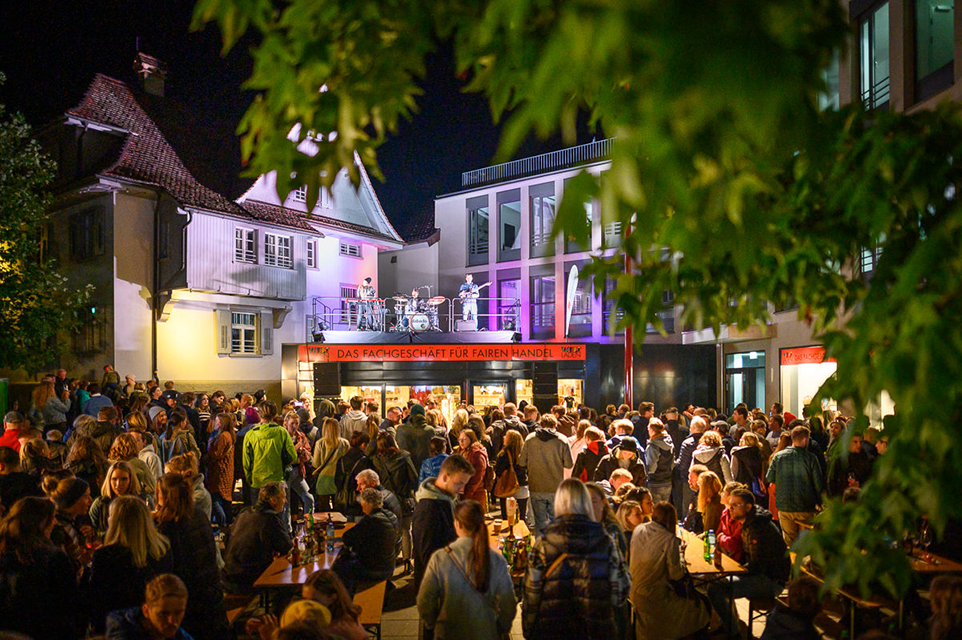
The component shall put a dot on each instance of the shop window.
(509, 305)
(277, 251)
(524, 390)
(573, 388)
(542, 205)
(934, 46)
(803, 370)
(245, 249)
(509, 225)
(478, 231)
(488, 395)
(873, 40)
(542, 307)
(745, 379)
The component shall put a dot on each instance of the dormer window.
(299, 194)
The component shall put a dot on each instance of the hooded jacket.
(746, 464)
(433, 525)
(501, 427)
(180, 441)
(610, 462)
(577, 599)
(545, 455)
(102, 432)
(660, 460)
(716, 460)
(398, 475)
(268, 448)
(129, 624)
(588, 459)
(353, 420)
(374, 540)
(414, 436)
(256, 535)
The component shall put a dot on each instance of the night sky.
(50, 52)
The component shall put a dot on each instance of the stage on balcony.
(412, 337)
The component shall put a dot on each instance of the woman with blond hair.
(709, 501)
(187, 465)
(53, 408)
(133, 553)
(120, 481)
(126, 449)
(327, 451)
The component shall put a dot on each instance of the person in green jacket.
(268, 451)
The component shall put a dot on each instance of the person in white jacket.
(711, 453)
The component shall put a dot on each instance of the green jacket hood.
(429, 491)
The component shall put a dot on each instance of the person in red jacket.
(588, 458)
(729, 534)
(12, 424)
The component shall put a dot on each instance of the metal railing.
(330, 313)
(877, 95)
(589, 152)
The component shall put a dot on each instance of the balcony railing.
(597, 150)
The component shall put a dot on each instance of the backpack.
(507, 484)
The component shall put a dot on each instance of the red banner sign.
(438, 352)
(805, 355)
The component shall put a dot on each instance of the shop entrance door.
(744, 380)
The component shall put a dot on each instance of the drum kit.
(416, 314)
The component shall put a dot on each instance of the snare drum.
(420, 322)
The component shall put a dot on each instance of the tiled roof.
(415, 227)
(270, 213)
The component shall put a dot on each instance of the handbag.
(507, 485)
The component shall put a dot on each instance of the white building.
(190, 284)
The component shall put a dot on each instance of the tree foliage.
(740, 195)
(35, 300)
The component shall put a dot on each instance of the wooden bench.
(371, 601)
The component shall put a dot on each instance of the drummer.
(414, 304)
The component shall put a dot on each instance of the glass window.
(311, 254)
(874, 57)
(934, 46)
(352, 250)
(580, 325)
(489, 395)
(542, 306)
(277, 251)
(299, 194)
(542, 203)
(348, 309)
(509, 225)
(524, 390)
(478, 231)
(243, 332)
(244, 248)
(87, 234)
(612, 314)
(571, 388)
(509, 305)
(612, 234)
(572, 246)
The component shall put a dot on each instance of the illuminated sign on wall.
(438, 352)
(804, 355)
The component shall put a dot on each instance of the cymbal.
(400, 298)
(436, 300)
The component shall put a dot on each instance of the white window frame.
(310, 254)
(277, 251)
(243, 322)
(299, 194)
(351, 250)
(245, 245)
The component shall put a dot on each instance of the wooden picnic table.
(695, 559)
(495, 537)
(931, 564)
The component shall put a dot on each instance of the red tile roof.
(271, 212)
(148, 157)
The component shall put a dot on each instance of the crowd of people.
(136, 508)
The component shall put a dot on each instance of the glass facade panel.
(489, 395)
(934, 35)
(542, 220)
(580, 325)
(509, 227)
(874, 58)
(828, 99)
(478, 234)
(509, 306)
(542, 307)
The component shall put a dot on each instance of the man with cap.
(13, 422)
(624, 456)
(170, 400)
(414, 436)
(366, 292)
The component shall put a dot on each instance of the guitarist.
(469, 294)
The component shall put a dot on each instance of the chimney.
(152, 73)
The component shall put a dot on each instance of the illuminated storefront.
(803, 370)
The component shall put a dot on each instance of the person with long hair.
(125, 449)
(475, 453)
(297, 481)
(186, 464)
(329, 448)
(35, 458)
(119, 481)
(52, 407)
(395, 468)
(202, 407)
(747, 466)
(345, 477)
(467, 591)
(656, 561)
(133, 553)
(36, 574)
(87, 460)
(709, 501)
(220, 466)
(507, 459)
(72, 531)
(576, 579)
(324, 587)
(193, 556)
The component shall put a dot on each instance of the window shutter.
(267, 333)
(222, 329)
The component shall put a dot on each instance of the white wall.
(133, 228)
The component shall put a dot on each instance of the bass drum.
(420, 322)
